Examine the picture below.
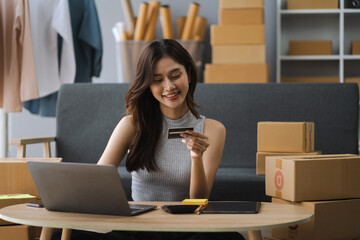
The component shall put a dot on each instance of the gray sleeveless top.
(172, 181)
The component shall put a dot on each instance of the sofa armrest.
(22, 142)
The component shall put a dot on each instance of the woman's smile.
(172, 95)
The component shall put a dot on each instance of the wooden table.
(271, 215)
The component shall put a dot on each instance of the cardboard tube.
(180, 22)
(190, 19)
(125, 36)
(151, 27)
(166, 22)
(129, 17)
(141, 22)
(199, 28)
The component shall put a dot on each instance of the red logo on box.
(279, 180)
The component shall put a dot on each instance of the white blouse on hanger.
(49, 18)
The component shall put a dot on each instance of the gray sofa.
(87, 114)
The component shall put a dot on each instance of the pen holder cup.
(128, 53)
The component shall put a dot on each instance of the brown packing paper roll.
(190, 19)
(166, 22)
(125, 36)
(180, 22)
(151, 27)
(141, 21)
(129, 17)
(199, 28)
(149, 12)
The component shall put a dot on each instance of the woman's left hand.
(196, 142)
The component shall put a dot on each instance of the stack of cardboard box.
(283, 139)
(20, 232)
(327, 184)
(238, 44)
(16, 187)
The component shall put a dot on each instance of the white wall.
(27, 125)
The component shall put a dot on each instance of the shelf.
(352, 57)
(310, 11)
(312, 57)
(340, 25)
(347, 10)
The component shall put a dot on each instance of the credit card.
(175, 132)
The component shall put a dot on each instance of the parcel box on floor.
(18, 232)
(261, 157)
(337, 219)
(15, 176)
(313, 178)
(12, 199)
(285, 137)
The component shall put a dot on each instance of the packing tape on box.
(278, 163)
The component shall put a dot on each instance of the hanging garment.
(87, 39)
(48, 19)
(88, 52)
(17, 70)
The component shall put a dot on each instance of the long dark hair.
(145, 109)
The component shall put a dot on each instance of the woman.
(161, 97)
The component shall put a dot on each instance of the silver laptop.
(82, 188)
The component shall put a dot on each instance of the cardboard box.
(15, 176)
(311, 4)
(310, 47)
(16, 232)
(355, 47)
(313, 178)
(261, 157)
(236, 73)
(354, 80)
(332, 220)
(228, 4)
(234, 54)
(237, 34)
(241, 16)
(286, 137)
(12, 199)
(310, 79)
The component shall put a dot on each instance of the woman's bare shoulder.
(127, 123)
(213, 126)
